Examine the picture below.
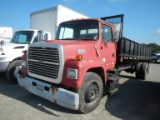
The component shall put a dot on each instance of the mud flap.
(113, 80)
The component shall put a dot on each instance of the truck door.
(109, 47)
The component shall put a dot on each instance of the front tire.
(10, 71)
(90, 92)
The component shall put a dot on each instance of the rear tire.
(90, 92)
(138, 70)
(145, 71)
(10, 71)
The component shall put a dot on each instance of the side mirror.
(116, 36)
(2, 42)
(42, 36)
(117, 31)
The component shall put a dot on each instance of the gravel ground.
(134, 100)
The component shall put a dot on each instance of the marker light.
(79, 57)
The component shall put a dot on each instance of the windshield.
(22, 37)
(78, 30)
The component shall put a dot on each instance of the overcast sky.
(141, 20)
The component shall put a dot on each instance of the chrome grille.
(43, 61)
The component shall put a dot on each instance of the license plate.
(40, 87)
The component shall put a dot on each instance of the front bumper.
(45, 90)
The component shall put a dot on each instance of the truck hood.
(69, 42)
(9, 47)
(88, 49)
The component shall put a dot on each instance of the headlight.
(72, 73)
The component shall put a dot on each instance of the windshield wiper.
(77, 39)
(85, 39)
(67, 39)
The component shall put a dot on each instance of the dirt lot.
(135, 100)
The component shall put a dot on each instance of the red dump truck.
(83, 63)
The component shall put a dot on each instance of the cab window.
(106, 33)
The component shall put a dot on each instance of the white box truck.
(49, 19)
(6, 34)
(40, 22)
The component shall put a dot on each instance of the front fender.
(82, 67)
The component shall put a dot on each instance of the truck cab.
(97, 33)
(10, 53)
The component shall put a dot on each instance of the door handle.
(112, 54)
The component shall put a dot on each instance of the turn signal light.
(79, 57)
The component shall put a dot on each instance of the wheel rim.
(91, 92)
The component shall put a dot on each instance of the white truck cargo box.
(6, 34)
(49, 19)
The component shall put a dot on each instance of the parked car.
(155, 56)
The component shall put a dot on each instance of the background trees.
(154, 47)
